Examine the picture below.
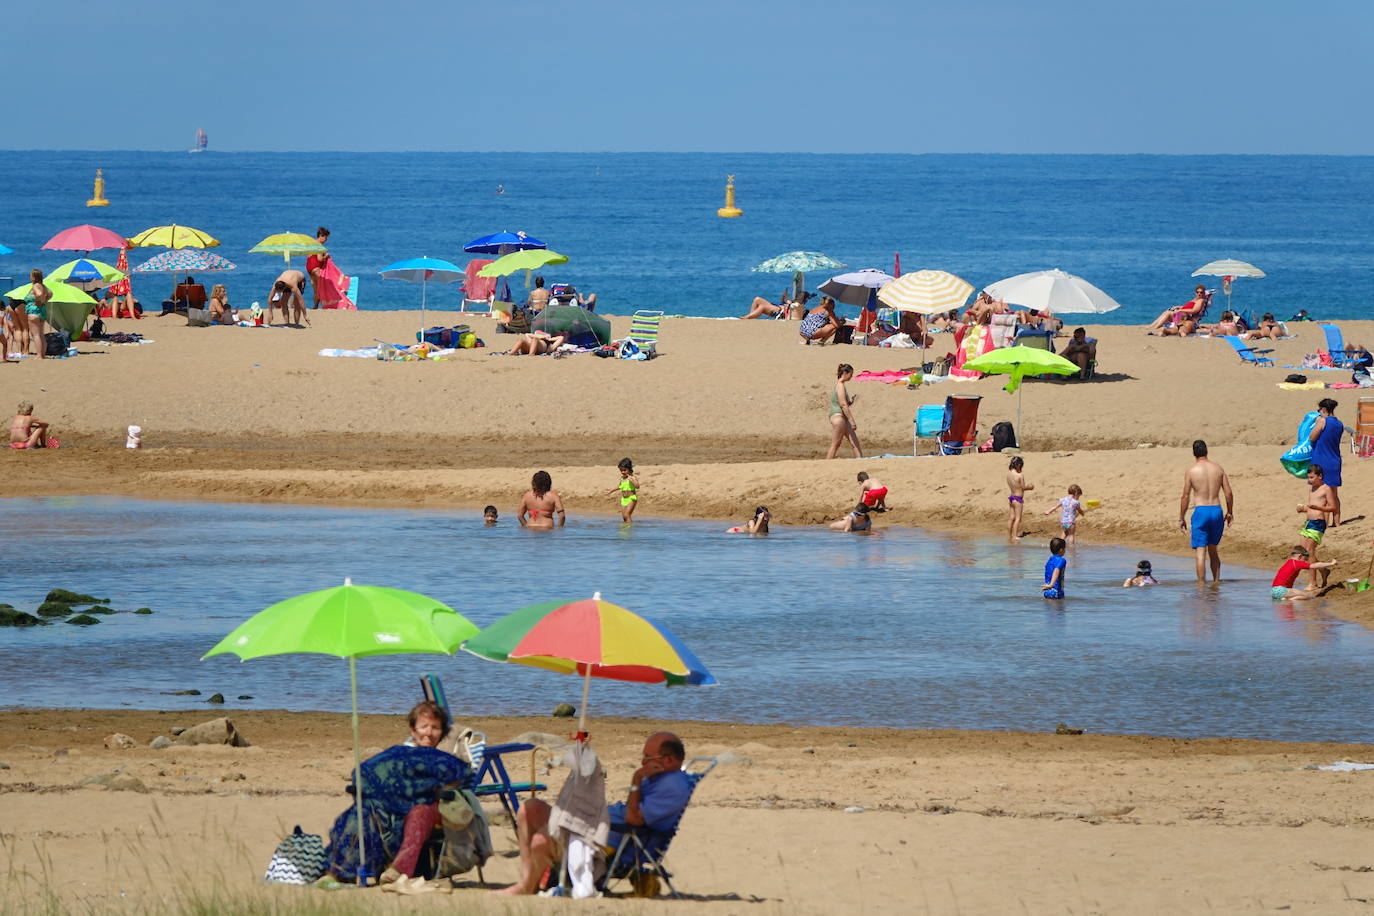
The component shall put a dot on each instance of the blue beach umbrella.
(421, 271)
(503, 243)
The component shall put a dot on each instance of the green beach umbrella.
(350, 621)
(527, 260)
(1019, 362)
(67, 309)
(87, 270)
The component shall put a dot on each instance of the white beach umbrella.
(1059, 292)
(1226, 269)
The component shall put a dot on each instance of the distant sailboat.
(202, 141)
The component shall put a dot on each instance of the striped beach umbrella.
(86, 274)
(185, 260)
(1228, 267)
(592, 638)
(926, 292)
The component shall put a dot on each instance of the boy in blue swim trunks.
(1320, 501)
(1055, 568)
(1204, 484)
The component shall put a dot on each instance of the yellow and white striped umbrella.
(926, 292)
(1228, 268)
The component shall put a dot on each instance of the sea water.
(902, 628)
(640, 229)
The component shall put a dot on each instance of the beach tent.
(581, 327)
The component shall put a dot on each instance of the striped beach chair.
(644, 329)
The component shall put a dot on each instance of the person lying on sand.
(784, 308)
(1267, 329)
(537, 344)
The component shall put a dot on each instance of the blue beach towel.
(1297, 458)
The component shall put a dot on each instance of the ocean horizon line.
(770, 153)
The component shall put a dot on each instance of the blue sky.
(1164, 76)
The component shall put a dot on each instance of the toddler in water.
(872, 492)
(489, 516)
(1144, 575)
(628, 490)
(1016, 500)
(1055, 568)
(756, 525)
(1070, 508)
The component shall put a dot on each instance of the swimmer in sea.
(628, 490)
(489, 516)
(756, 525)
(1016, 499)
(541, 503)
(856, 521)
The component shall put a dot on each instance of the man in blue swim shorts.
(1203, 485)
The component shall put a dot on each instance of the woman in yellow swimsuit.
(628, 490)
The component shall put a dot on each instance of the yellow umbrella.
(288, 243)
(926, 292)
(173, 236)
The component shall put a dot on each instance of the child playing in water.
(1144, 575)
(489, 516)
(1016, 500)
(1319, 503)
(872, 492)
(1282, 587)
(1055, 568)
(756, 525)
(856, 520)
(1070, 508)
(628, 490)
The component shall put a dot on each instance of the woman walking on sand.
(842, 423)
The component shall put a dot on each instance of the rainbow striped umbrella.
(593, 638)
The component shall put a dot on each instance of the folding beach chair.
(1032, 337)
(957, 432)
(639, 858)
(1362, 436)
(1249, 354)
(1335, 345)
(644, 330)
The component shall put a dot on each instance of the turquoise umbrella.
(798, 263)
(186, 260)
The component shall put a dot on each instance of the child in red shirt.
(1282, 588)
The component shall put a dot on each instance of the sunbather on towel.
(536, 344)
(1267, 328)
(659, 792)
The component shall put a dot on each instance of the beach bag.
(467, 841)
(1295, 378)
(1003, 436)
(299, 859)
(1297, 458)
(55, 343)
(1311, 361)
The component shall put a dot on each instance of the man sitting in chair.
(1080, 351)
(659, 792)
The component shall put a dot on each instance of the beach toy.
(98, 195)
(729, 211)
(1092, 503)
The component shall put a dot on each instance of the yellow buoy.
(98, 196)
(729, 211)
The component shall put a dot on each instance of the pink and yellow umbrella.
(593, 638)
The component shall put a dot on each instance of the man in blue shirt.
(659, 792)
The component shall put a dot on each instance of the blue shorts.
(1052, 593)
(1209, 523)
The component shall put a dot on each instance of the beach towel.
(475, 288)
(973, 342)
(1297, 458)
(1004, 327)
(332, 286)
(890, 376)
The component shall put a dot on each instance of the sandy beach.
(732, 415)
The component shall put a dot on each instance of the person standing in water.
(1204, 484)
(541, 503)
(628, 490)
(1016, 497)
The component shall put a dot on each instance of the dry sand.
(732, 415)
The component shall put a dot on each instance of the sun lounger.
(644, 329)
(1249, 354)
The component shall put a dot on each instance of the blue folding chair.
(1248, 354)
(639, 857)
(1335, 345)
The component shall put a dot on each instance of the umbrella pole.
(424, 290)
(586, 690)
(358, 772)
(1021, 434)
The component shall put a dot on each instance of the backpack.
(467, 841)
(1003, 436)
(55, 343)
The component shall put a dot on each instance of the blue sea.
(841, 630)
(640, 229)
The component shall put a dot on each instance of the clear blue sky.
(1160, 76)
